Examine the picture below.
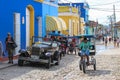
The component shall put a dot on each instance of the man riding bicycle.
(84, 47)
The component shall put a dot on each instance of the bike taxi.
(87, 59)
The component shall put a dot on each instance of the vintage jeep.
(41, 52)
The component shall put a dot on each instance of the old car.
(45, 52)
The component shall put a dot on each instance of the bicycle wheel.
(94, 65)
(84, 66)
(80, 65)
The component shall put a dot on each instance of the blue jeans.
(85, 52)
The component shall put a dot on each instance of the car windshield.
(45, 43)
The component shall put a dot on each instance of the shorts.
(85, 52)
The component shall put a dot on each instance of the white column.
(17, 31)
(70, 27)
(39, 26)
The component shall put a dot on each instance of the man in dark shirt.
(9, 41)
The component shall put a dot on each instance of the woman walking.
(106, 41)
(118, 41)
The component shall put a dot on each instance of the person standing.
(115, 40)
(106, 41)
(118, 41)
(109, 39)
(103, 39)
(1, 49)
(9, 41)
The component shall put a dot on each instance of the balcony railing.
(68, 9)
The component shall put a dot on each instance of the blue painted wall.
(50, 11)
(9, 7)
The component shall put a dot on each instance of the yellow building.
(82, 29)
(71, 17)
(55, 24)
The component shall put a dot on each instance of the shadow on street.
(97, 72)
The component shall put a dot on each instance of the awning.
(55, 24)
(63, 24)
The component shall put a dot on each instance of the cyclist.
(84, 47)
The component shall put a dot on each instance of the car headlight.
(48, 54)
(42, 50)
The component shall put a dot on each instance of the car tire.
(60, 55)
(49, 63)
(58, 61)
(20, 62)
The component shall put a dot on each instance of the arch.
(30, 24)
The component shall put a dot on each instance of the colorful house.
(71, 17)
(82, 25)
(83, 11)
(24, 19)
(55, 24)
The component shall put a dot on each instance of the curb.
(10, 65)
(3, 59)
(4, 64)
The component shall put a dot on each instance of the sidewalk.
(4, 62)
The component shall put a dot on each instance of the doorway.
(29, 25)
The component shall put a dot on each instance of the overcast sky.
(100, 9)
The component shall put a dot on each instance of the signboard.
(52, 0)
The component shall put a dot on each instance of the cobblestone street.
(60, 40)
(108, 68)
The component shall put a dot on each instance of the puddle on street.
(101, 48)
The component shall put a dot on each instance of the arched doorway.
(29, 25)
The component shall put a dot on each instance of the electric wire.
(105, 10)
(106, 3)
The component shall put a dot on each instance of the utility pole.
(79, 12)
(111, 25)
(96, 30)
(115, 27)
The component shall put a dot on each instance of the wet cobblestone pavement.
(108, 68)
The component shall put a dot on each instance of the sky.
(100, 10)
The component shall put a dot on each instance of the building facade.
(83, 9)
(71, 17)
(24, 19)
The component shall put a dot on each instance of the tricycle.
(92, 51)
(71, 48)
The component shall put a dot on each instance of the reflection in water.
(100, 48)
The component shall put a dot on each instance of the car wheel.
(20, 62)
(60, 55)
(49, 63)
(58, 61)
